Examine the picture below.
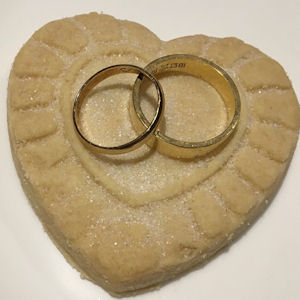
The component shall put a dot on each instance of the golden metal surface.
(91, 83)
(209, 72)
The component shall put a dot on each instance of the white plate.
(263, 264)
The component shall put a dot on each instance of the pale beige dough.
(133, 221)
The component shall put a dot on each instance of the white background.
(264, 264)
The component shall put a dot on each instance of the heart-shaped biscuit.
(132, 221)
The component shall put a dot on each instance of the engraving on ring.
(169, 66)
(125, 70)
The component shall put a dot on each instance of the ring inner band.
(207, 71)
(91, 83)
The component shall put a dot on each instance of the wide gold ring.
(207, 71)
(91, 83)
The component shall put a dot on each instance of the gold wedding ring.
(91, 83)
(207, 71)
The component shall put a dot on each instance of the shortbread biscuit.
(135, 220)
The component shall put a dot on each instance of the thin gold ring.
(91, 83)
(207, 71)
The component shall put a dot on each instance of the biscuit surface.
(132, 221)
